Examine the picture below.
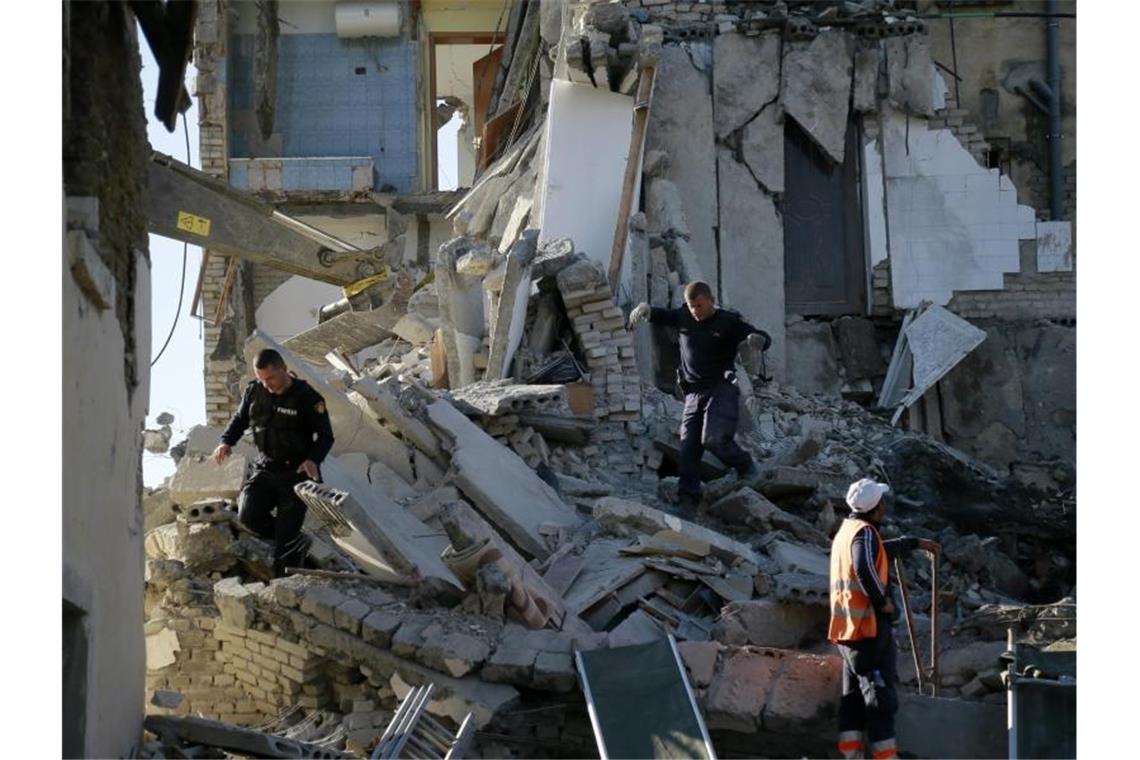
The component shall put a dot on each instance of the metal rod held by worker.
(909, 621)
(934, 623)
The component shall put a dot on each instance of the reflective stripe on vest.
(852, 618)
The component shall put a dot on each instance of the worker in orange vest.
(862, 614)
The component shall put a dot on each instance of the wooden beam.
(632, 168)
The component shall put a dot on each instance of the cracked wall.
(106, 372)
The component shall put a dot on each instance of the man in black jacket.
(292, 432)
(709, 339)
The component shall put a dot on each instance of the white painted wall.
(587, 142)
(876, 213)
(953, 225)
(102, 507)
(454, 76)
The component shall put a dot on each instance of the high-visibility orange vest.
(852, 617)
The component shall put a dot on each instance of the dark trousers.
(709, 422)
(869, 700)
(265, 491)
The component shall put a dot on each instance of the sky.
(176, 383)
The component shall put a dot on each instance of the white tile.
(1026, 214)
(981, 183)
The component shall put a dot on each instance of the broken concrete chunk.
(202, 547)
(768, 623)
(745, 507)
(500, 484)
(416, 329)
(158, 508)
(499, 397)
(622, 515)
(234, 602)
(553, 256)
(865, 85)
(199, 477)
(321, 601)
(161, 648)
(909, 68)
(157, 441)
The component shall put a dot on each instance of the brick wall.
(223, 375)
(668, 13)
(957, 120)
(1051, 295)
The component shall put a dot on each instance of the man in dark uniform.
(292, 432)
(709, 340)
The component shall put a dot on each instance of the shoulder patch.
(320, 407)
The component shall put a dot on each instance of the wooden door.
(824, 270)
(483, 70)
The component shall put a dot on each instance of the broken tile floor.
(442, 556)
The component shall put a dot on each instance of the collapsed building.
(501, 493)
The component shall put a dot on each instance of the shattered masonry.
(502, 489)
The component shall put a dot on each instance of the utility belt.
(687, 387)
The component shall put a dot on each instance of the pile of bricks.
(599, 328)
(524, 440)
(273, 672)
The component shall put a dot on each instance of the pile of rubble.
(474, 538)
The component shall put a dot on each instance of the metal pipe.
(954, 63)
(934, 623)
(909, 622)
(1053, 62)
(1011, 701)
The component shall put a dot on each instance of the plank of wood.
(632, 169)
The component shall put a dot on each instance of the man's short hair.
(695, 289)
(267, 358)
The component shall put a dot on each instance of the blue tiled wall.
(324, 108)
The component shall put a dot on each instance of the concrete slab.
(798, 557)
(381, 400)
(865, 85)
(937, 340)
(510, 310)
(816, 88)
(681, 125)
(768, 623)
(501, 485)
(909, 79)
(762, 147)
(393, 531)
(620, 514)
(353, 331)
(752, 249)
(746, 75)
(199, 477)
